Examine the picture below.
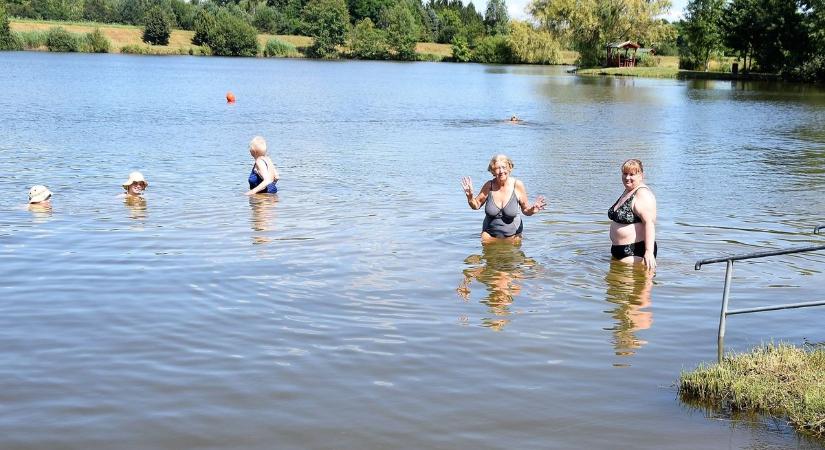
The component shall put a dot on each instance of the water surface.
(358, 308)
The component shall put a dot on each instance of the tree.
(8, 40)
(402, 30)
(450, 26)
(702, 31)
(204, 23)
(740, 33)
(495, 17)
(360, 9)
(531, 46)
(232, 36)
(368, 42)
(96, 11)
(157, 28)
(327, 21)
(591, 24)
(772, 32)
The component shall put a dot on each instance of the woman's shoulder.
(644, 193)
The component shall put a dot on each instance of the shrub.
(232, 36)
(8, 40)
(32, 40)
(327, 21)
(367, 42)
(60, 40)
(274, 47)
(430, 57)
(157, 28)
(133, 49)
(461, 50)
(492, 49)
(646, 60)
(96, 42)
(203, 24)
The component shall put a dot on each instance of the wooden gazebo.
(619, 54)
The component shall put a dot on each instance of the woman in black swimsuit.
(502, 198)
(633, 230)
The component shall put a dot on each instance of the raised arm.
(477, 201)
(645, 207)
(524, 201)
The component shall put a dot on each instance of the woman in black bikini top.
(633, 216)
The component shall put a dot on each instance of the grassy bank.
(128, 38)
(781, 380)
(648, 72)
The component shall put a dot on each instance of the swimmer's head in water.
(136, 183)
(257, 146)
(499, 159)
(39, 193)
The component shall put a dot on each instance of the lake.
(358, 309)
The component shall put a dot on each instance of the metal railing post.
(720, 338)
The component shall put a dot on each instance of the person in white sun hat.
(39, 195)
(135, 185)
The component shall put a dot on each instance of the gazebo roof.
(625, 44)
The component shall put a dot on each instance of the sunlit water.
(359, 309)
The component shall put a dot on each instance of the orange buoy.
(230, 97)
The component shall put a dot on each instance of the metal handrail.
(720, 337)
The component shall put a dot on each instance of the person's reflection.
(629, 287)
(136, 205)
(263, 213)
(499, 267)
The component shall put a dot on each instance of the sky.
(517, 8)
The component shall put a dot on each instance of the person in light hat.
(135, 184)
(39, 194)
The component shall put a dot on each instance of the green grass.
(648, 72)
(778, 379)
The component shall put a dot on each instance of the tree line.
(368, 29)
(773, 36)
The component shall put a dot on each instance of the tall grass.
(278, 48)
(33, 40)
(780, 379)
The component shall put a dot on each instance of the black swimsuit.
(505, 221)
(623, 214)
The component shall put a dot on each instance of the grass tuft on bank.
(777, 379)
(647, 72)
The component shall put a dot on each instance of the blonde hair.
(633, 166)
(257, 146)
(500, 157)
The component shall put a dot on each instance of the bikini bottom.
(634, 249)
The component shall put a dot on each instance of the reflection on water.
(629, 287)
(499, 267)
(136, 205)
(263, 215)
